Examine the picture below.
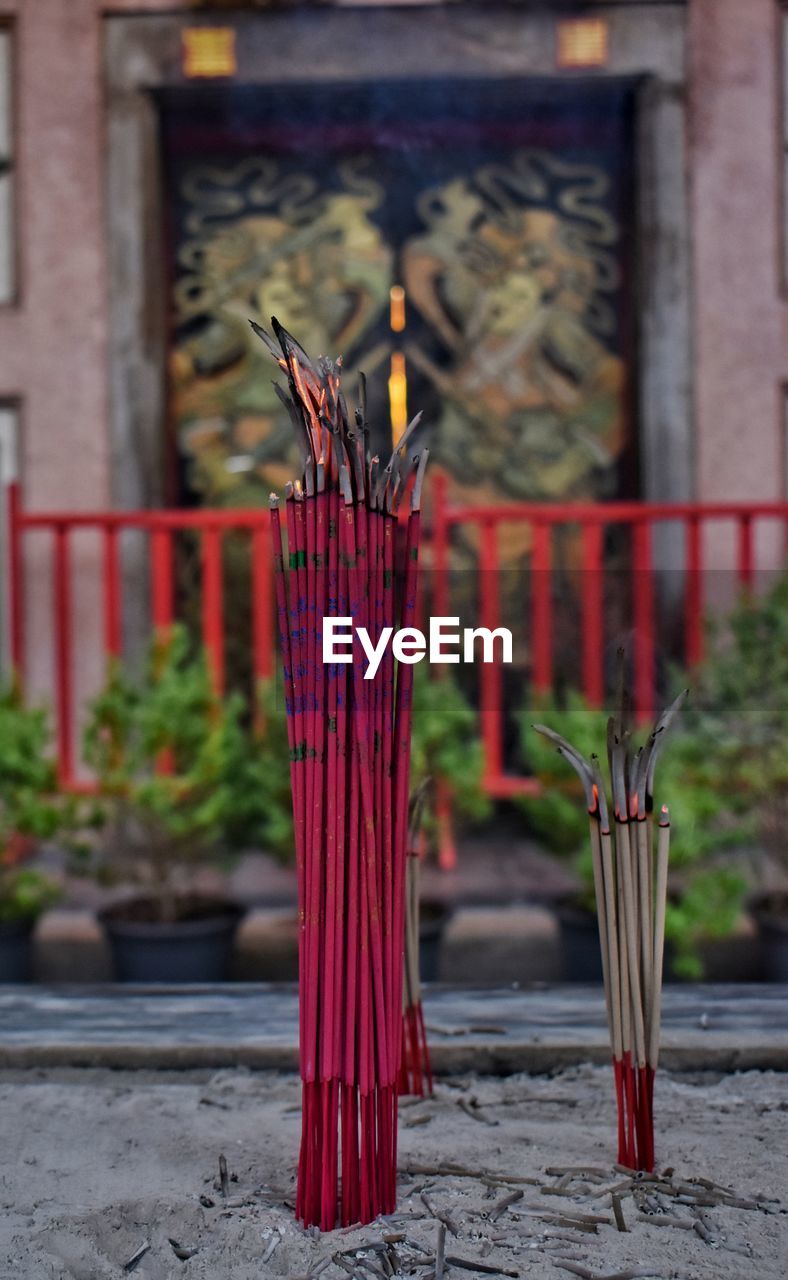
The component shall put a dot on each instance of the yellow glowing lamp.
(583, 42)
(208, 52)
(398, 396)
(397, 307)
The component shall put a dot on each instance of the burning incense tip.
(664, 816)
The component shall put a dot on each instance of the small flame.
(397, 308)
(398, 395)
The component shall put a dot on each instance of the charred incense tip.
(273, 501)
(415, 501)
(664, 816)
(345, 485)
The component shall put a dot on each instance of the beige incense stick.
(407, 994)
(624, 864)
(612, 942)
(630, 928)
(660, 896)
(415, 877)
(611, 912)
(646, 925)
(601, 909)
(623, 950)
(646, 854)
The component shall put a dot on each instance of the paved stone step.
(719, 1028)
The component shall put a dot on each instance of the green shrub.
(25, 894)
(446, 749)
(259, 764)
(30, 807)
(181, 780)
(706, 889)
(724, 774)
(29, 804)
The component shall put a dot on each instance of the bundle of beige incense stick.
(630, 861)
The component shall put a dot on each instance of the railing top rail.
(197, 518)
(611, 512)
(534, 512)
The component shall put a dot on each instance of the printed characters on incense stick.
(630, 886)
(349, 744)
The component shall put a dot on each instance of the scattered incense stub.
(223, 1178)
(340, 551)
(136, 1258)
(630, 865)
(181, 1252)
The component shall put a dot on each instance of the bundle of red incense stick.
(349, 741)
(415, 1076)
(630, 884)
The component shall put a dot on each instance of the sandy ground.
(96, 1164)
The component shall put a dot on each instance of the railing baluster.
(112, 590)
(541, 610)
(593, 623)
(64, 673)
(161, 578)
(745, 551)
(262, 604)
(491, 677)
(693, 593)
(643, 610)
(440, 548)
(16, 583)
(212, 593)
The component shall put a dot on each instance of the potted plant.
(30, 810)
(447, 752)
(706, 884)
(164, 751)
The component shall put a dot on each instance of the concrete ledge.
(499, 1031)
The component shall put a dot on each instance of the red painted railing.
(639, 519)
(481, 526)
(161, 527)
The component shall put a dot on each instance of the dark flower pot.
(771, 916)
(194, 949)
(434, 916)
(581, 959)
(16, 950)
